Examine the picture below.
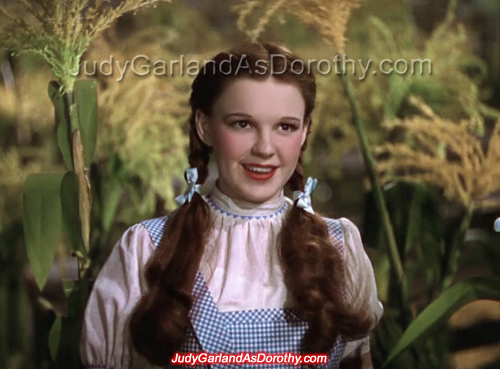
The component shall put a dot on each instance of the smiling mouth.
(259, 169)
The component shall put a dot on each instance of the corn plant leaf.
(381, 268)
(424, 235)
(71, 212)
(55, 337)
(86, 103)
(62, 123)
(42, 217)
(387, 334)
(414, 218)
(439, 311)
(68, 350)
(63, 342)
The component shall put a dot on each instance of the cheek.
(290, 149)
(228, 145)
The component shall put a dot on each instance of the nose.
(263, 146)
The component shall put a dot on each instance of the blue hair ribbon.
(304, 198)
(191, 178)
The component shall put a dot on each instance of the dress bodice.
(252, 330)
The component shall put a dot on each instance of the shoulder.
(344, 234)
(136, 245)
(142, 238)
(352, 239)
(336, 233)
(156, 228)
(345, 229)
(340, 226)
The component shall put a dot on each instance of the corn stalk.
(372, 174)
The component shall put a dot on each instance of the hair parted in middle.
(312, 267)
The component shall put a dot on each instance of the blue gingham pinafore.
(273, 331)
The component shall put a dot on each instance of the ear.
(203, 127)
(305, 130)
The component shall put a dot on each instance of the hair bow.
(305, 197)
(191, 178)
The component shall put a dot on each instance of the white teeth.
(259, 169)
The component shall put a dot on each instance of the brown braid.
(160, 321)
(314, 276)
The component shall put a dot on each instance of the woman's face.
(256, 130)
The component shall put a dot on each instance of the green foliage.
(153, 112)
(64, 335)
(86, 101)
(13, 172)
(71, 214)
(455, 87)
(415, 216)
(42, 221)
(440, 310)
(388, 333)
(56, 200)
(15, 310)
(52, 201)
(177, 28)
(413, 329)
(55, 337)
(332, 132)
(60, 32)
(63, 127)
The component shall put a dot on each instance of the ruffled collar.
(246, 210)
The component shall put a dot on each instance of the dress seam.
(249, 217)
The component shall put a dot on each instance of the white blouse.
(240, 266)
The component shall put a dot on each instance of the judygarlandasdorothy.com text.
(142, 65)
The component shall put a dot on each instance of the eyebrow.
(249, 116)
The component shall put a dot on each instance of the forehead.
(266, 98)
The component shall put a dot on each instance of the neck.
(247, 208)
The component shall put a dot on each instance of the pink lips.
(260, 176)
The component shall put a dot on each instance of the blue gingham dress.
(273, 331)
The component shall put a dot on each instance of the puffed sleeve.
(105, 340)
(361, 288)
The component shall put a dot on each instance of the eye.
(287, 127)
(241, 124)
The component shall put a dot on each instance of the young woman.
(243, 269)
